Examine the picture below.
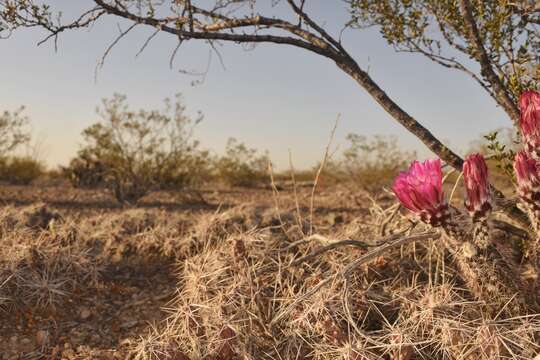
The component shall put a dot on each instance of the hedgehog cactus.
(529, 122)
(478, 198)
(420, 190)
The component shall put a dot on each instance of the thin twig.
(147, 41)
(275, 194)
(296, 202)
(455, 187)
(389, 218)
(322, 250)
(318, 175)
(110, 47)
(173, 54)
(390, 245)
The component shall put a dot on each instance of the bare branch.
(214, 35)
(314, 25)
(80, 22)
(110, 47)
(173, 54)
(449, 63)
(485, 63)
(335, 245)
(147, 42)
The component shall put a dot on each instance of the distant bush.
(20, 170)
(241, 166)
(370, 163)
(133, 152)
(13, 130)
(57, 174)
(185, 169)
(85, 172)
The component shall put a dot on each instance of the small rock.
(26, 345)
(84, 313)
(108, 356)
(335, 219)
(42, 337)
(68, 354)
(469, 250)
(128, 324)
(125, 342)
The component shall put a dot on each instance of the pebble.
(68, 354)
(85, 313)
(42, 337)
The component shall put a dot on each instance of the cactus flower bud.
(420, 190)
(478, 198)
(528, 184)
(529, 122)
(475, 176)
(527, 175)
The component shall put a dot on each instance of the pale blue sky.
(274, 97)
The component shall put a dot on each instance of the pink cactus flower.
(528, 98)
(527, 174)
(420, 190)
(529, 122)
(475, 176)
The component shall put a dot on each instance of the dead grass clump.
(36, 217)
(44, 270)
(132, 232)
(159, 233)
(254, 293)
(453, 327)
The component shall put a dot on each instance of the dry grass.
(245, 280)
(41, 262)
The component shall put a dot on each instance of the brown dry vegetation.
(83, 278)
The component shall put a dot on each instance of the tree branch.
(254, 38)
(485, 63)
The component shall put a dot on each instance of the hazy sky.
(274, 97)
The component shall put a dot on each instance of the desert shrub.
(185, 169)
(85, 171)
(370, 163)
(241, 166)
(20, 170)
(13, 130)
(133, 152)
(56, 173)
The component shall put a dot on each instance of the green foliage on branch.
(437, 30)
(502, 152)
